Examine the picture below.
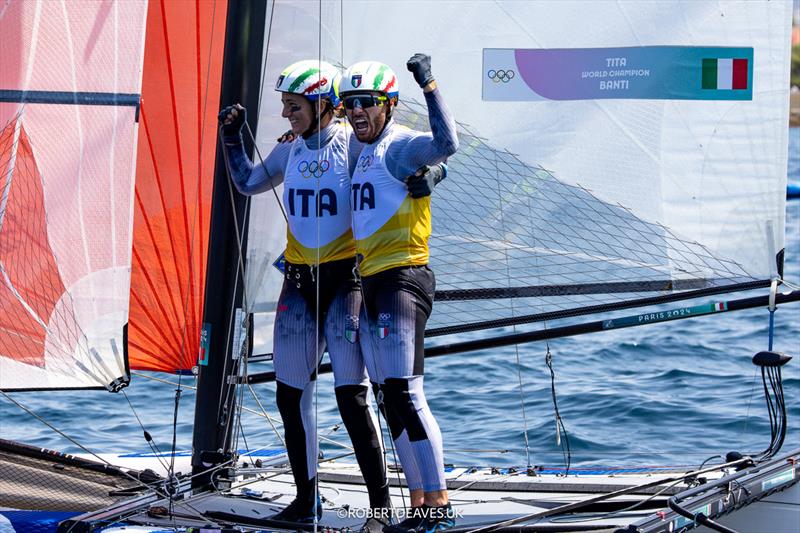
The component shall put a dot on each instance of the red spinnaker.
(175, 165)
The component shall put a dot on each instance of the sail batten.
(480, 323)
(68, 97)
(491, 293)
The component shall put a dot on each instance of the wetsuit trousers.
(397, 304)
(300, 338)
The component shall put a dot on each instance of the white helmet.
(311, 78)
(370, 76)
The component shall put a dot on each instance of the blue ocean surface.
(673, 393)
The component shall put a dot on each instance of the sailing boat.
(591, 179)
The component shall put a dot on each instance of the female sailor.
(320, 298)
(391, 228)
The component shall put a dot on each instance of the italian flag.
(721, 306)
(724, 74)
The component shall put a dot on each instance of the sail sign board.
(645, 72)
(69, 100)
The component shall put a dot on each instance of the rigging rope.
(565, 449)
(264, 413)
(511, 304)
(147, 437)
(317, 355)
(240, 356)
(240, 362)
(261, 161)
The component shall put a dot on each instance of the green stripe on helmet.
(298, 81)
(376, 83)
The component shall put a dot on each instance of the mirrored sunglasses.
(363, 101)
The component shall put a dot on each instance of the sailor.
(320, 298)
(391, 227)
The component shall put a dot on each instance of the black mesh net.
(35, 479)
(511, 240)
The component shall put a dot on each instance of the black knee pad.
(392, 419)
(288, 400)
(398, 399)
(355, 412)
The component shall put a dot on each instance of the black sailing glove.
(286, 137)
(421, 183)
(232, 119)
(420, 66)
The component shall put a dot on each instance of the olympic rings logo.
(364, 162)
(498, 76)
(313, 169)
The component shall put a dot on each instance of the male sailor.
(391, 227)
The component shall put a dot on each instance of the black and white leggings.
(397, 304)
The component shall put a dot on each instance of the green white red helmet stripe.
(311, 78)
(298, 81)
(376, 83)
(390, 85)
(316, 85)
(381, 77)
(370, 76)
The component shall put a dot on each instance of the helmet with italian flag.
(370, 76)
(311, 78)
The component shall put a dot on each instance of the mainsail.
(68, 119)
(649, 166)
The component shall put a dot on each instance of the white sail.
(70, 82)
(637, 182)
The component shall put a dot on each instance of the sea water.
(669, 393)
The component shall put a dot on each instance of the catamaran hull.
(764, 498)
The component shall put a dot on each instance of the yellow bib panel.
(391, 228)
(316, 198)
(342, 248)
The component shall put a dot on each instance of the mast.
(215, 404)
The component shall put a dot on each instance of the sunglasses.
(364, 101)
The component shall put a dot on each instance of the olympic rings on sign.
(498, 76)
(313, 169)
(364, 162)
